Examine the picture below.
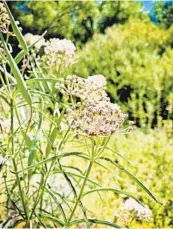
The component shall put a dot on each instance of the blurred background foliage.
(136, 59)
(75, 20)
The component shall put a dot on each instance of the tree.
(117, 12)
(75, 20)
(163, 13)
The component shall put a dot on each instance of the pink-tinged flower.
(94, 115)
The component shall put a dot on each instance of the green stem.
(45, 177)
(80, 194)
(105, 143)
(14, 162)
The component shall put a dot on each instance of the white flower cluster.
(57, 182)
(4, 19)
(94, 114)
(88, 90)
(142, 212)
(59, 51)
(37, 40)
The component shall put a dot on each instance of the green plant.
(42, 115)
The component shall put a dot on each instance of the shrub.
(136, 60)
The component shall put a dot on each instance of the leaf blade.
(16, 30)
(95, 221)
(16, 72)
(132, 177)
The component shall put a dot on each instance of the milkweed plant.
(44, 112)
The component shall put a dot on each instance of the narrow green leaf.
(16, 30)
(10, 77)
(32, 81)
(52, 219)
(96, 162)
(55, 132)
(21, 54)
(80, 176)
(31, 157)
(48, 160)
(34, 144)
(59, 205)
(73, 168)
(4, 98)
(120, 155)
(63, 199)
(107, 189)
(15, 70)
(131, 176)
(95, 221)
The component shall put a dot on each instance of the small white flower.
(59, 51)
(99, 80)
(31, 39)
(142, 212)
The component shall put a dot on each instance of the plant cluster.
(40, 114)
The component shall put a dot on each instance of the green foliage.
(163, 13)
(148, 156)
(118, 12)
(136, 60)
(75, 20)
(151, 157)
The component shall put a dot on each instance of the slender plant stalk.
(81, 192)
(44, 178)
(15, 165)
(87, 176)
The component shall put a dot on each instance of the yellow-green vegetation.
(149, 157)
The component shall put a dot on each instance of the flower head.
(86, 89)
(142, 212)
(32, 39)
(102, 118)
(4, 19)
(59, 51)
(94, 115)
